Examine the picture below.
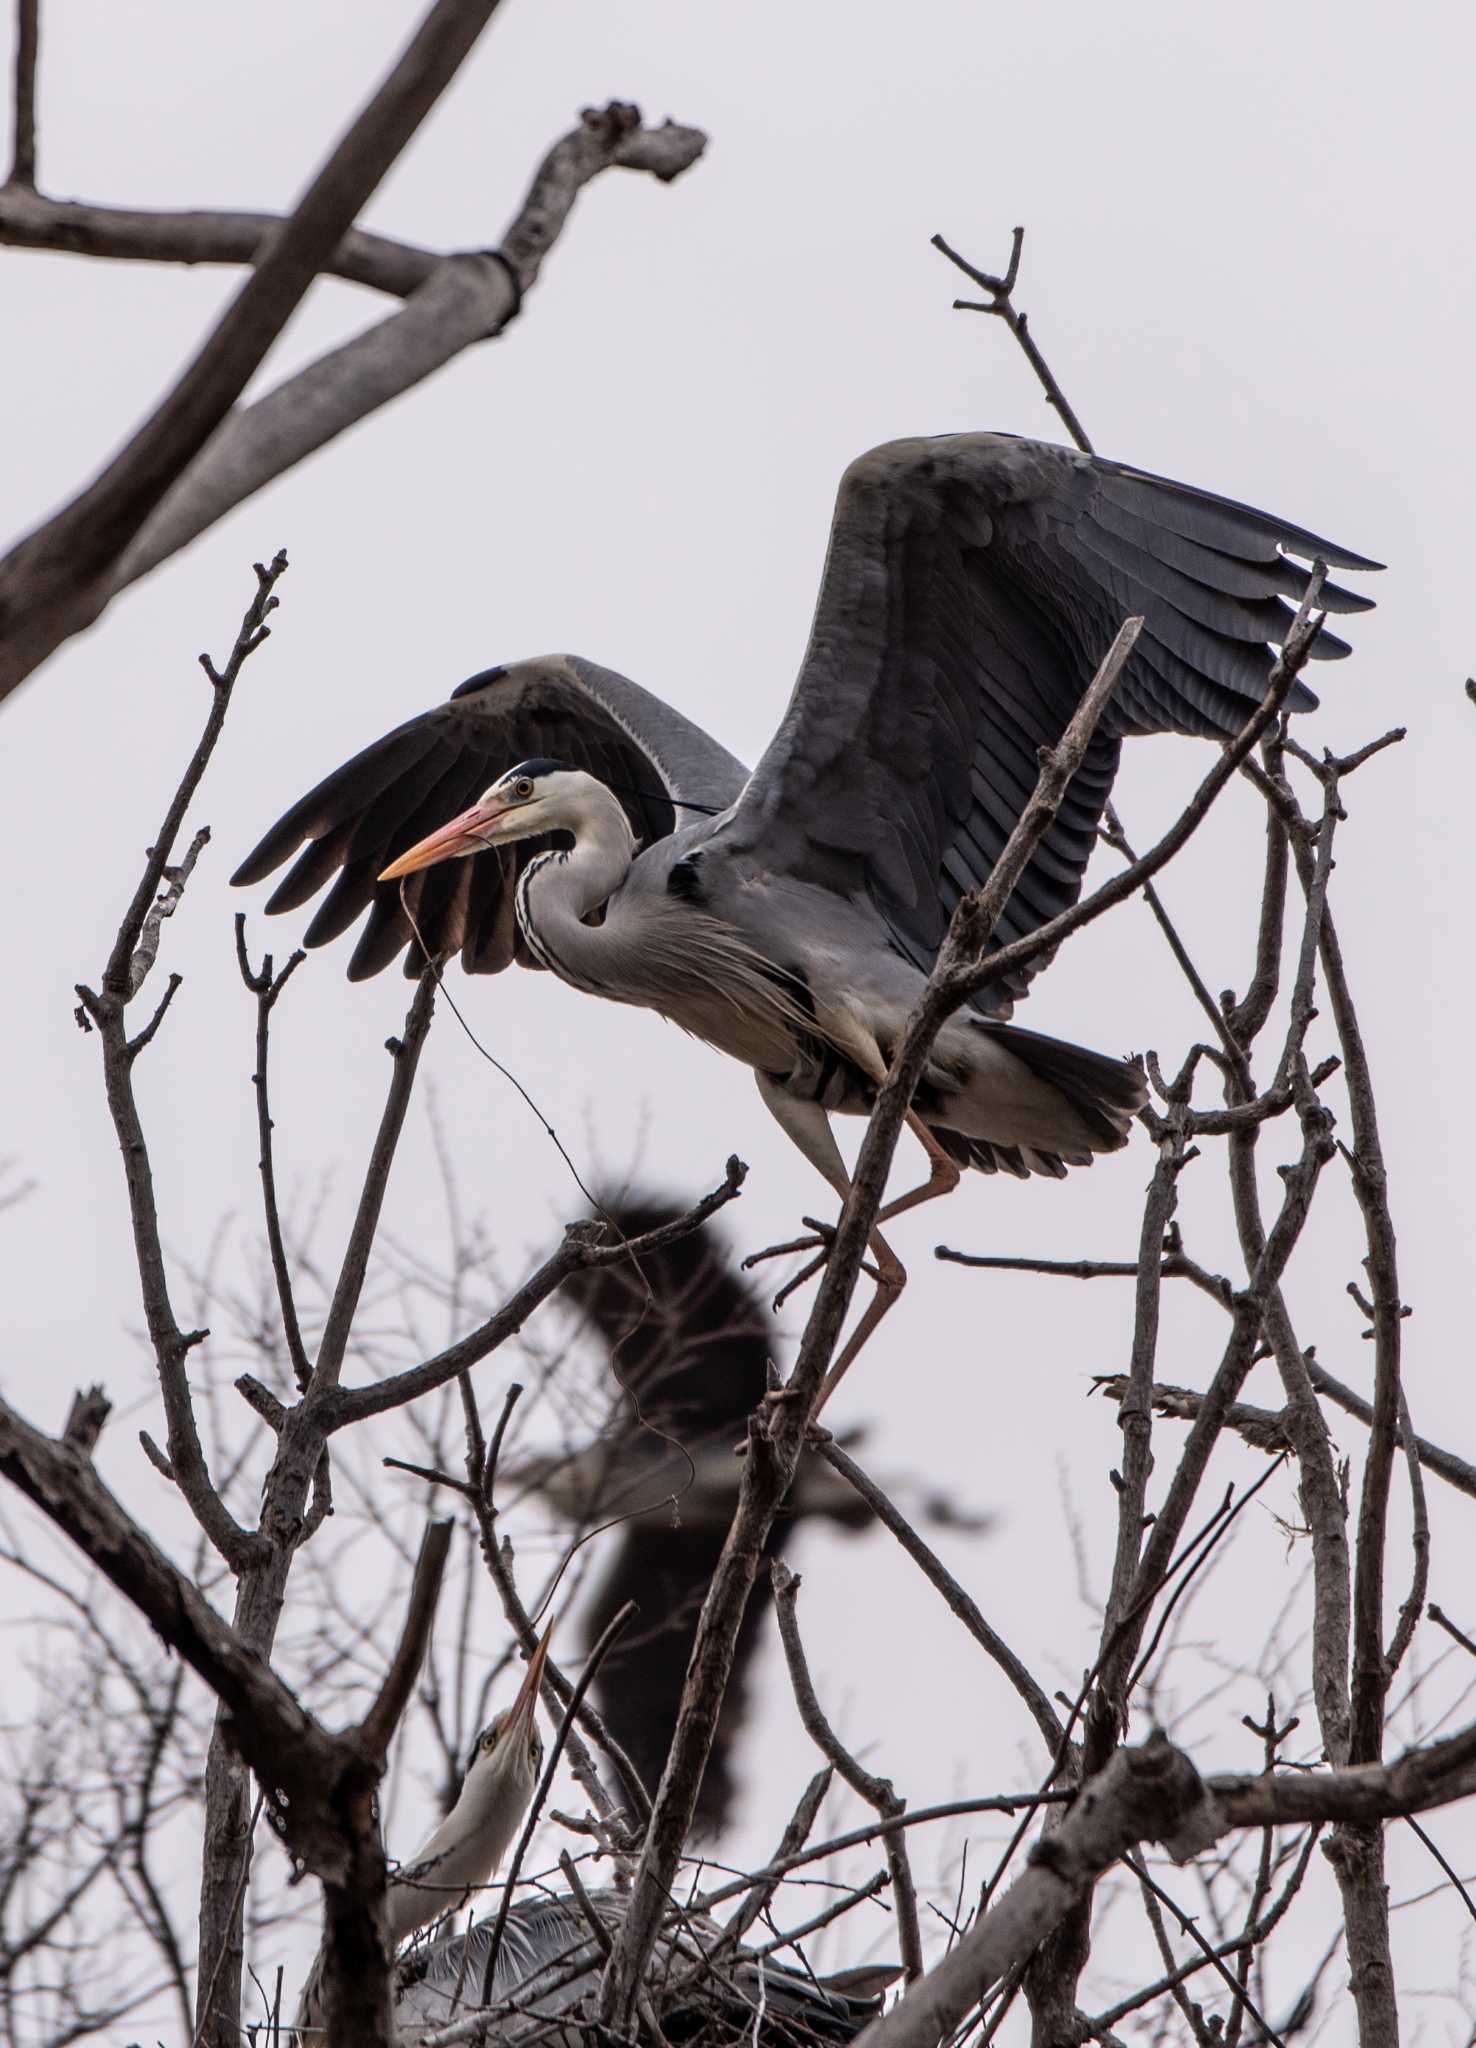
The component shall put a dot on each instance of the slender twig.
(1176, 1265)
(1263, 1929)
(580, 1248)
(405, 1052)
(27, 43)
(1215, 1961)
(378, 1725)
(498, 1558)
(879, 1793)
(1410, 1612)
(267, 988)
(889, 1515)
(1443, 1620)
(796, 1833)
(592, 1664)
(1001, 302)
(107, 1008)
(1135, 1412)
(1445, 1864)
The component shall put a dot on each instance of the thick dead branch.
(451, 302)
(57, 580)
(465, 298)
(1150, 1793)
(30, 220)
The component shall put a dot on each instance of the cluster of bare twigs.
(276, 1496)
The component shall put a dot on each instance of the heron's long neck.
(559, 890)
(462, 1853)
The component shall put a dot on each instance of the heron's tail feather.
(1075, 1104)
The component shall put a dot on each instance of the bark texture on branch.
(198, 458)
(1151, 1793)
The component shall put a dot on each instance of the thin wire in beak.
(468, 833)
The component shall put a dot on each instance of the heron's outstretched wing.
(420, 775)
(973, 584)
(691, 1361)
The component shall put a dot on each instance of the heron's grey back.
(549, 1964)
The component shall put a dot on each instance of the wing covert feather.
(420, 775)
(972, 585)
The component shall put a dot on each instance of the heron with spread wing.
(685, 1343)
(465, 1851)
(556, 814)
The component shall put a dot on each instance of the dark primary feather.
(973, 583)
(695, 1364)
(359, 818)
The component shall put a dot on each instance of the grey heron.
(789, 916)
(687, 1364)
(549, 1958)
(466, 1849)
(548, 1969)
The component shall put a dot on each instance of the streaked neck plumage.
(559, 890)
(466, 1850)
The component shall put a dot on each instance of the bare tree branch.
(377, 1728)
(1152, 1793)
(27, 42)
(879, 1793)
(466, 298)
(1002, 303)
(30, 220)
(1040, 1709)
(107, 1007)
(55, 581)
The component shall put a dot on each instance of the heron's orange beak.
(521, 1715)
(466, 834)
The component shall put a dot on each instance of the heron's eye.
(523, 788)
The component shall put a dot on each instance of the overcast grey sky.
(1249, 257)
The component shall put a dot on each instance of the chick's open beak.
(468, 833)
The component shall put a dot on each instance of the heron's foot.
(821, 1241)
(821, 1237)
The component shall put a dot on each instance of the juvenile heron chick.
(467, 1849)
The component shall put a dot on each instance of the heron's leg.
(807, 1126)
(944, 1172)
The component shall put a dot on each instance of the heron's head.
(536, 796)
(510, 1748)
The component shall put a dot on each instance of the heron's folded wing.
(972, 585)
(419, 776)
